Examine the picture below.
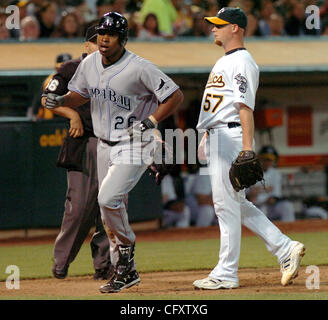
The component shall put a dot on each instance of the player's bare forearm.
(170, 105)
(247, 124)
(76, 126)
(65, 112)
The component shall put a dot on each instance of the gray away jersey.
(127, 91)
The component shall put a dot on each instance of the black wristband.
(146, 124)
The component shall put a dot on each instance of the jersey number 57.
(212, 101)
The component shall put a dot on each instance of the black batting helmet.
(114, 22)
(268, 152)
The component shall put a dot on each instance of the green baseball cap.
(228, 15)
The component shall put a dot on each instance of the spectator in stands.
(46, 15)
(149, 30)
(133, 23)
(23, 8)
(252, 19)
(276, 24)
(316, 207)
(176, 213)
(103, 6)
(269, 199)
(4, 32)
(284, 7)
(83, 12)
(324, 10)
(295, 24)
(68, 26)
(165, 13)
(119, 6)
(199, 27)
(33, 7)
(324, 27)
(199, 199)
(30, 29)
(267, 9)
(184, 19)
(211, 8)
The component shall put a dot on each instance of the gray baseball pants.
(117, 178)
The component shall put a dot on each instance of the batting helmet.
(268, 152)
(114, 22)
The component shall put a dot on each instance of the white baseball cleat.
(289, 268)
(214, 284)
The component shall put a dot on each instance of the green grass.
(36, 261)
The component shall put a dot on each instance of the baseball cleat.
(289, 267)
(214, 284)
(59, 273)
(105, 273)
(117, 284)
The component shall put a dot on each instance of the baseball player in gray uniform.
(78, 155)
(127, 94)
(227, 115)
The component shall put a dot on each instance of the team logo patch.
(161, 85)
(215, 80)
(109, 21)
(242, 81)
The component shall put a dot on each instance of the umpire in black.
(78, 155)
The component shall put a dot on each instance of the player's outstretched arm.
(70, 99)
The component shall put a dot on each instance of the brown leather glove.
(245, 171)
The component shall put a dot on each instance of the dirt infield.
(252, 281)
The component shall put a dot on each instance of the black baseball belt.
(229, 125)
(233, 124)
(110, 143)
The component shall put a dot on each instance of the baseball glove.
(163, 162)
(245, 171)
(159, 171)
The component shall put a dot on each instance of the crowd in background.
(187, 199)
(158, 19)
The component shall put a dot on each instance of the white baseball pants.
(233, 209)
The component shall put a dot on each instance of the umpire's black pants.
(81, 213)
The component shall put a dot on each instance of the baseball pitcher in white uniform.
(227, 116)
(129, 96)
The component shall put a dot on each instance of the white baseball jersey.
(234, 79)
(126, 91)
